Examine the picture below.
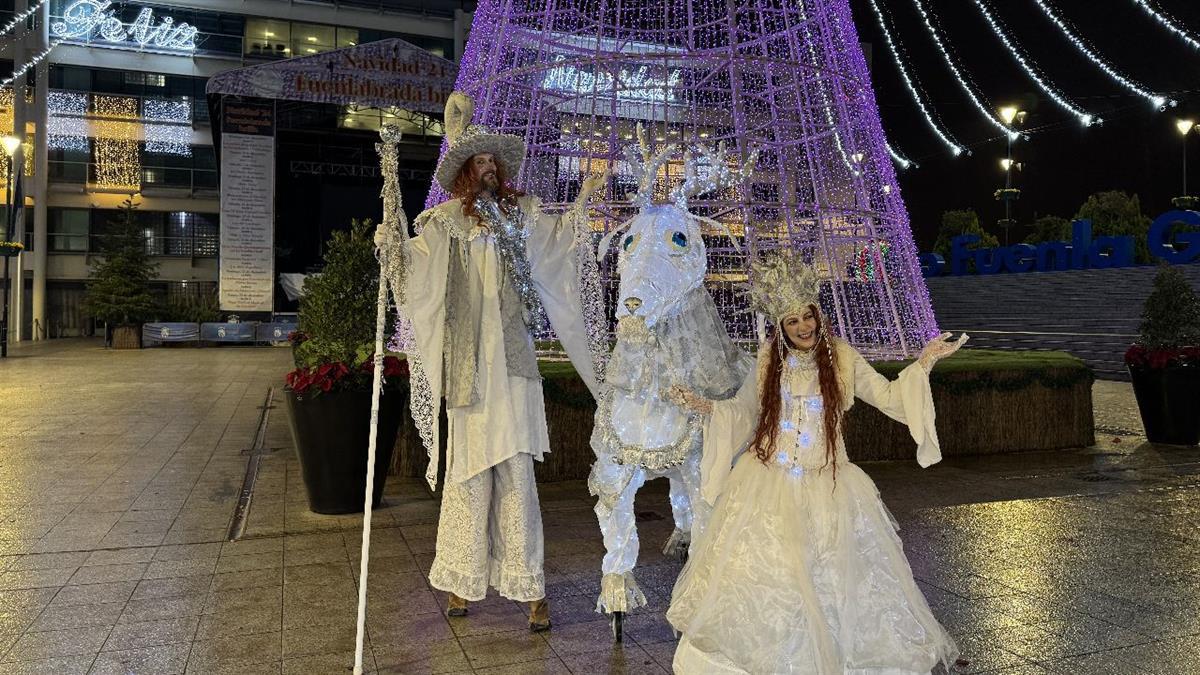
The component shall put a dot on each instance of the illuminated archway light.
(902, 161)
(1168, 23)
(1159, 101)
(893, 46)
(1085, 118)
(959, 77)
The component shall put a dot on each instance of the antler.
(646, 166)
(719, 176)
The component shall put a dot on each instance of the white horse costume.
(669, 333)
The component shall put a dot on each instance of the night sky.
(1136, 149)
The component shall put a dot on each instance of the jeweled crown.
(783, 284)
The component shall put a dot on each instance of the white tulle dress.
(797, 572)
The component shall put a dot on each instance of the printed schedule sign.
(247, 259)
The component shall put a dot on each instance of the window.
(309, 38)
(268, 38)
(68, 229)
(347, 37)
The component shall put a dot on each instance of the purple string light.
(785, 77)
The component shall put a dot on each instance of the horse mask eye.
(679, 239)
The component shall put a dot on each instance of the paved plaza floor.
(120, 474)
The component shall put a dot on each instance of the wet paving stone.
(114, 511)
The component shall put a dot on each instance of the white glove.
(938, 349)
(381, 236)
(590, 185)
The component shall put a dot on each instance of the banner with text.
(381, 74)
(247, 259)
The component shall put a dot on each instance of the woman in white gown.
(800, 569)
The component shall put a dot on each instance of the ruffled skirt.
(799, 574)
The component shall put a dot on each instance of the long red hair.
(770, 397)
(467, 187)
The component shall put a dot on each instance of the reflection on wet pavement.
(119, 474)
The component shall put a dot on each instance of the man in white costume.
(475, 283)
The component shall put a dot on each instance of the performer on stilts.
(474, 285)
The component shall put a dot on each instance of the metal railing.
(67, 171)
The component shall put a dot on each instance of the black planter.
(331, 433)
(1169, 401)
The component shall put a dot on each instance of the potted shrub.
(329, 393)
(119, 291)
(1165, 361)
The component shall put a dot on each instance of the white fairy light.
(23, 16)
(174, 138)
(18, 72)
(958, 75)
(1168, 23)
(904, 162)
(942, 134)
(1158, 100)
(1058, 97)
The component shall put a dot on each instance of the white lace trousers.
(490, 533)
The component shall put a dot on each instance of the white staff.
(392, 230)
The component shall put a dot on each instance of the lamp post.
(1009, 114)
(10, 144)
(1184, 126)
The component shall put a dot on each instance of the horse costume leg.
(681, 511)
(616, 486)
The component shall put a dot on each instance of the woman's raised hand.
(938, 349)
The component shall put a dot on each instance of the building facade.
(117, 110)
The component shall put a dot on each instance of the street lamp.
(1184, 126)
(11, 144)
(1010, 114)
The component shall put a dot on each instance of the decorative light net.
(785, 77)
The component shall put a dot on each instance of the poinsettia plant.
(1170, 329)
(334, 345)
(340, 376)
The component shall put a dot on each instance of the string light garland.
(959, 77)
(1159, 101)
(66, 125)
(23, 16)
(904, 162)
(1085, 118)
(1168, 23)
(893, 46)
(116, 131)
(174, 138)
(18, 72)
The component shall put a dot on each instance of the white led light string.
(1087, 119)
(903, 161)
(942, 134)
(1158, 100)
(958, 75)
(23, 16)
(1169, 24)
(27, 65)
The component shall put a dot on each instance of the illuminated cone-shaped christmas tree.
(785, 77)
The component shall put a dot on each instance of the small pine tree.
(119, 290)
(337, 310)
(1171, 316)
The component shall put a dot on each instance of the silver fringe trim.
(591, 293)
(619, 593)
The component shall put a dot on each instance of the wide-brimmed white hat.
(466, 139)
